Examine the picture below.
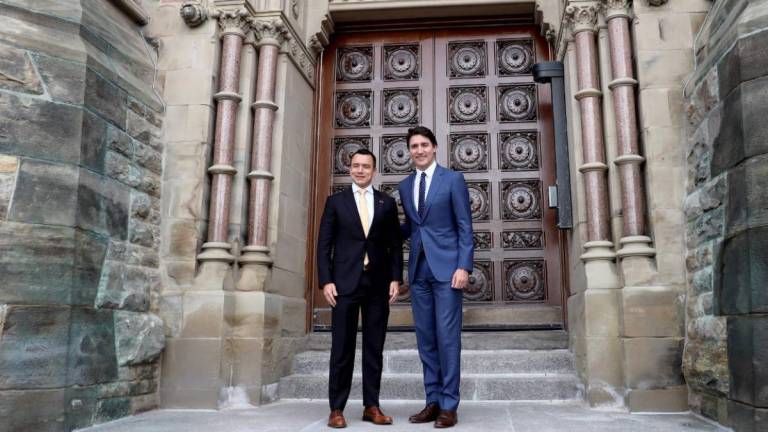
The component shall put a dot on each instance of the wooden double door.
(474, 88)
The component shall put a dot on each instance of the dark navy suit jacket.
(445, 230)
(342, 244)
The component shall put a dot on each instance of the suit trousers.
(373, 302)
(437, 316)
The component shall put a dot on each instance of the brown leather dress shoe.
(374, 415)
(336, 420)
(428, 414)
(446, 419)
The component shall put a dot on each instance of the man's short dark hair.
(364, 151)
(423, 131)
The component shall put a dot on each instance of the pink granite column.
(583, 17)
(270, 35)
(232, 24)
(634, 240)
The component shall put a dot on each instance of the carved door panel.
(474, 89)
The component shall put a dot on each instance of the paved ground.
(301, 416)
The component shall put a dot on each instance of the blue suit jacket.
(446, 227)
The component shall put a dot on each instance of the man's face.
(422, 151)
(361, 170)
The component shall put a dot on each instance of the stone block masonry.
(80, 167)
(726, 219)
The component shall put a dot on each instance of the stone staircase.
(521, 366)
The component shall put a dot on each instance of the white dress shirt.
(430, 172)
(368, 200)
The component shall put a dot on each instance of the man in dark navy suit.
(360, 266)
(439, 223)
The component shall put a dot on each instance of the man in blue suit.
(438, 220)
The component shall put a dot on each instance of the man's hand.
(460, 279)
(394, 290)
(329, 291)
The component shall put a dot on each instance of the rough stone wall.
(80, 169)
(726, 218)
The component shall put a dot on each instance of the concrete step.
(472, 362)
(507, 340)
(479, 387)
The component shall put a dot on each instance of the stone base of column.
(636, 246)
(216, 251)
(214, 276)
(638, 266)
(255, 268)
(600, 265)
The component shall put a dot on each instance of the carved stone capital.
(582, 16)
(315, 45)
(233, 22)
(616, 8)
(270, 32)
(193, 13)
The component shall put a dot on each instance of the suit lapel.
(378, 202)
(434, 188)
(349, 201)
(407, 197)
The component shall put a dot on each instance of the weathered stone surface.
(754, 98)
(140, 338)
(102, 205)
(90, 251)
(105, 98)
(743, 131)
(124, 287)
(92, 347)
(747, 418)
(747, 352)
(47, 415)
(120, 142)
(119, 168)
(24, 250)
(743, 263)
(149, 183)
(143, 130)
(34, 351)
(40, 129)
(111, 409)
(729, 143)
(8, 167)
(705, 360)
(143, 234)
(92, 149)
(64, 79)
(698, 163)
(17, 72)
(149, 158)
(746, 61)
(45, 193)
(653, 362)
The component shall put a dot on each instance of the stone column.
(634, 241)
(595, 307)
(232, 24)
(599, 256)
(256, 260)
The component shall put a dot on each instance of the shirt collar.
(356, 188)
(430, 169)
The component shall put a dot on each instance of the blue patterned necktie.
(422, 193)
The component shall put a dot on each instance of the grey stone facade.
(726, 218)
(80, 168)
